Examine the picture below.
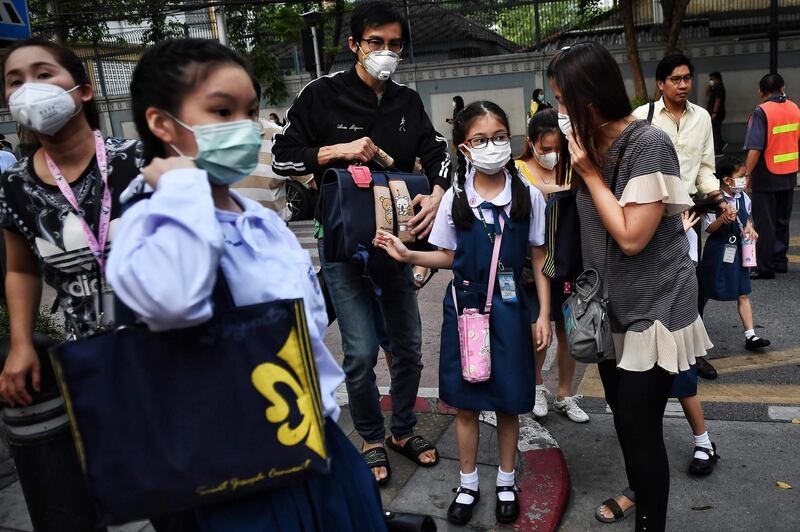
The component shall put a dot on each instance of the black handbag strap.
(625, 142)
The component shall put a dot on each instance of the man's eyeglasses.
(477, 143)
(374, 45)
(676, 80)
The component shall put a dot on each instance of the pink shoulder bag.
(473, 328)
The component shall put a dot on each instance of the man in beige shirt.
(688, 125)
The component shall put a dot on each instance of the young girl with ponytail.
(489, 188)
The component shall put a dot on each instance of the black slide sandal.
(377, 457)
(616, 510)
(414, 446)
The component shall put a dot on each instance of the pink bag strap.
(492, 272)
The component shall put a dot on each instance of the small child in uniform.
(724, 276)
(467, 223)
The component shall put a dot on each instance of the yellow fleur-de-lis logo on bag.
(266, 376)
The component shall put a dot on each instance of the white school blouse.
(168, 248)
(443, 234)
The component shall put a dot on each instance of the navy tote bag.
(165, 421)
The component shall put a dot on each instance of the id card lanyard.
(96, 244)
(508, 288)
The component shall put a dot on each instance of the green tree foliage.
(515, 19)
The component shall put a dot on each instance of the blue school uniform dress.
(724, 281)
(167, 252)
(510, 389)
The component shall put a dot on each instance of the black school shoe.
(704, 466)
(755, 343)
(507, 511)
(705, 369)
(459, 513)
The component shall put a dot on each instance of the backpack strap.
(651, 109)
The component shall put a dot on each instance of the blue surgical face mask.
(227, 151)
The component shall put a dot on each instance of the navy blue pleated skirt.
(346, 499)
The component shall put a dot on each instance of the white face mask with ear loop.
(43, 107)
(564, 123)
(547, 160)
(491, 159)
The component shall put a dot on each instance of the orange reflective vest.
(783, 134)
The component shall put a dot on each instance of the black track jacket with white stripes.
(340, 108)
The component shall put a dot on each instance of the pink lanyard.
(96, 245)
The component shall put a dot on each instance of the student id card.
(508, 288)
(730, 254)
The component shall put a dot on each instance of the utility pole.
(222, 27)
(410, 41)
(773, 37)
(537, 23)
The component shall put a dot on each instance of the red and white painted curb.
(543, 479)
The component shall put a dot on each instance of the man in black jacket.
(335, 121)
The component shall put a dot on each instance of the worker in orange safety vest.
(773, 137)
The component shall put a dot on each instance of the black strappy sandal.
(377, 457)
(414, 446)
(704, 466)
(460, 513)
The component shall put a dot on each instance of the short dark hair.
(167, 72)
(536, 93)
(726, 166)
(670, 63)
(716, 75)
(577, 71)
(71, 63)
(771, 83)
(374, 13)
(520, 197)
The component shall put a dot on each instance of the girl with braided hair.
(488, 189)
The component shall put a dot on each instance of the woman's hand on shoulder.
(580, 160)
(158, 167)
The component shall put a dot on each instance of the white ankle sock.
(749, 333)
(505, 479)
(469, 481)
(702, 441)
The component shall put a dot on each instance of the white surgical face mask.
(547, 160)
(739, 183)
(42, 107)
(491, 159)
(711, 82)
(381, 64)
(564, 123)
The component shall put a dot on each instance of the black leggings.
(637, 400)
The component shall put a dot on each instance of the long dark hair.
(544, 122)
(70, 62)
(167, 72)
(520, 197)
(592, 90)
